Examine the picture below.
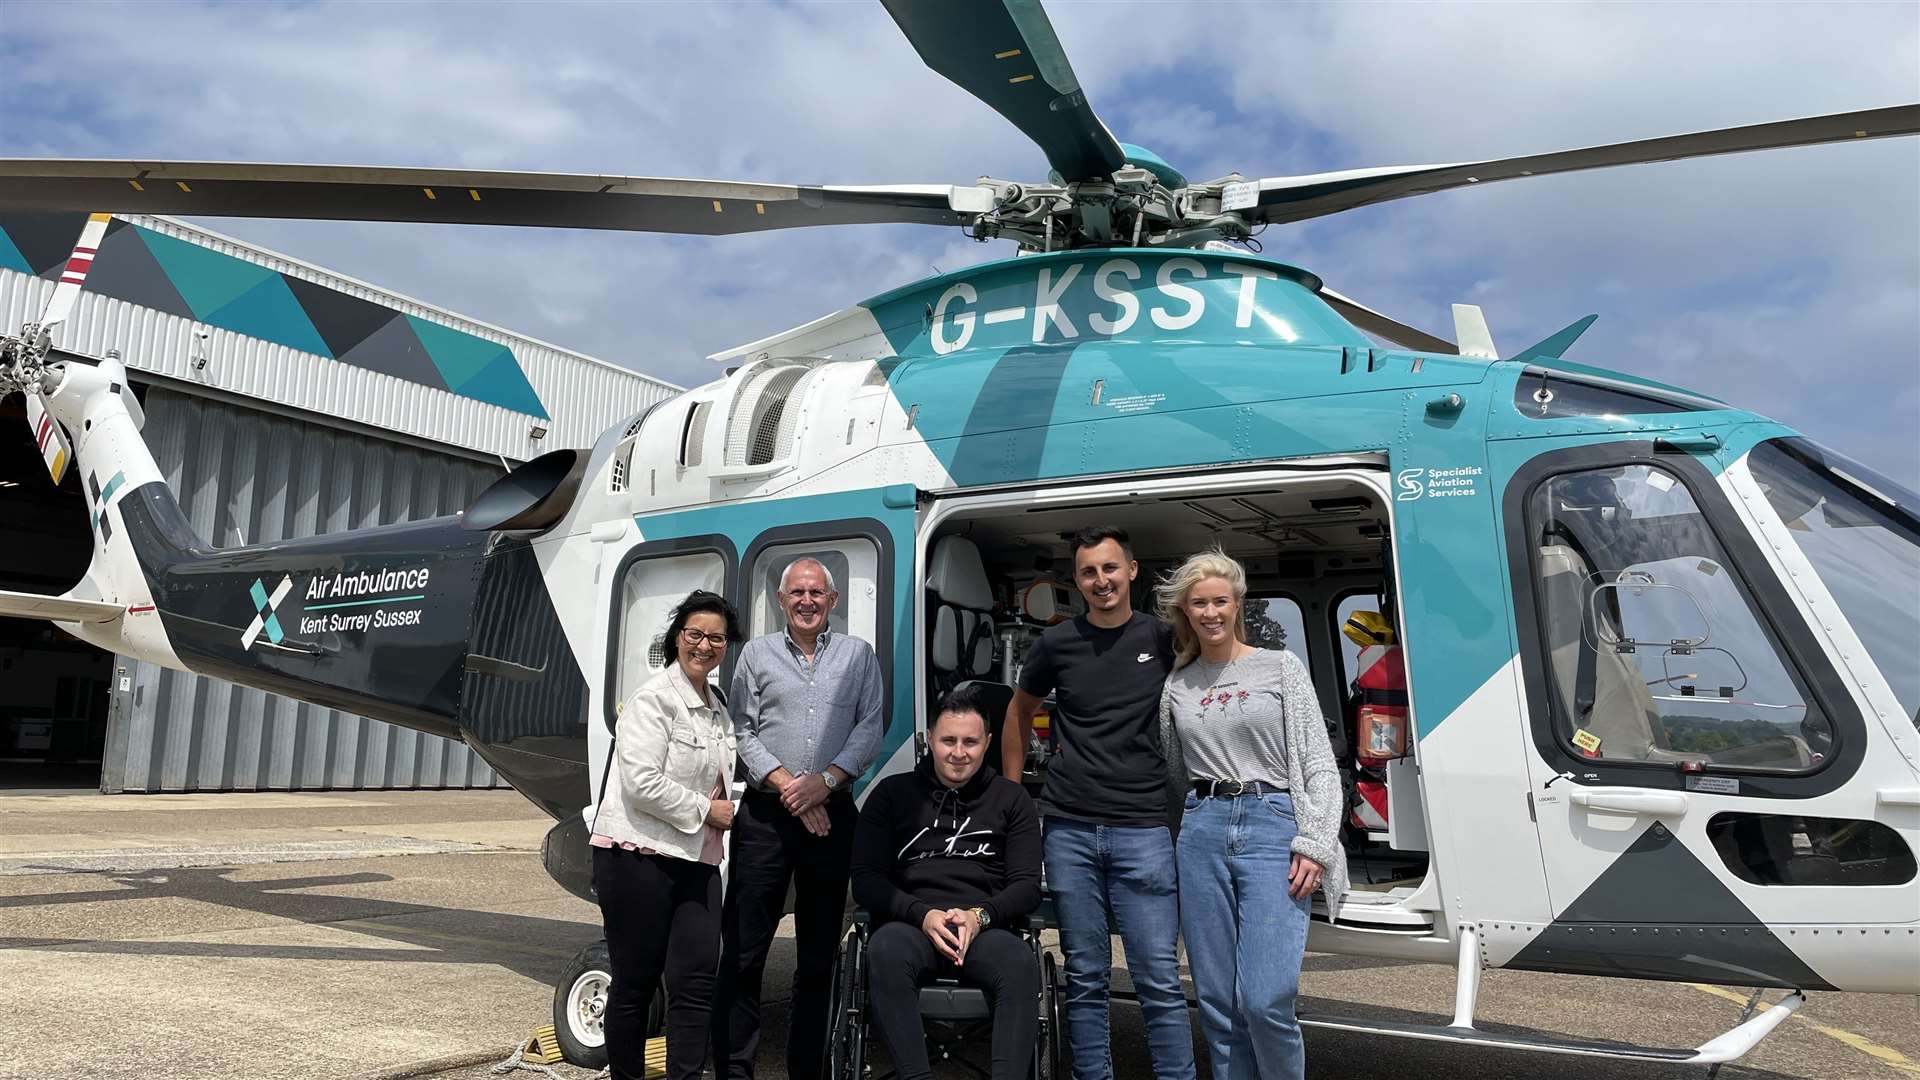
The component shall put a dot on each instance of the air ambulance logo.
(266, 605)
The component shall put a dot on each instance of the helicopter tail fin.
(112, 606)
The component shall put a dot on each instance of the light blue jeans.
(1094, 869)
(1245, 935)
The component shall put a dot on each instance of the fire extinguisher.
(1380, 730)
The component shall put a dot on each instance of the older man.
(806, 707)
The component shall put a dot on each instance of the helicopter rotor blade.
(74, 274)
(49, 438)
(1280, 199)
(466, 197)
(1005, 53)
(1385, 326)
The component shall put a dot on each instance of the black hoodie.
(921, 845)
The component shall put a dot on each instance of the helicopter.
(1660, 711)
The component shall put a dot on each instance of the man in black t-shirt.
(1105, 839)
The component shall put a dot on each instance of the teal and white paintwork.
(1088, 371)
(1146, 373)
(1136, 370)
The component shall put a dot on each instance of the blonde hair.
(1171, 596)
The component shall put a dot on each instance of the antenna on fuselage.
(1470, 331)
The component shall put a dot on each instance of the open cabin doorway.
(1316, 542)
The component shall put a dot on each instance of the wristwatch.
(980, 915)
(826, 777)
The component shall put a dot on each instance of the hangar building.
(282, 401)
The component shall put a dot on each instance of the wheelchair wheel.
(1052, 1050)
(847, 1012)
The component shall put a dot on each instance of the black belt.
(1227, 789)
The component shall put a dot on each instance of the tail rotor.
(25, 360)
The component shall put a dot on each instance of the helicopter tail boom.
(307, 618)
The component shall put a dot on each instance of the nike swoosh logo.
(1143, 658)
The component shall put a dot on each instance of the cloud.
(1788, 282)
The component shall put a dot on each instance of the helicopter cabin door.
(865, 539)
(1704, 782)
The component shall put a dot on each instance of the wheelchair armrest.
(862, 917)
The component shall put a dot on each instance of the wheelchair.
(955, 1014)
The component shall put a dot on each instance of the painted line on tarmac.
(1887, 1054)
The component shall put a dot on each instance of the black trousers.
(900, 960)
(770, 849)
(662, 916)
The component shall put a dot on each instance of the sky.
(1787, 282)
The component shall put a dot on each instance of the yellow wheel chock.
(542, 1047)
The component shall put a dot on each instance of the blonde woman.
(1261, 826)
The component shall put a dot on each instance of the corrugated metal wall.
(244, 475)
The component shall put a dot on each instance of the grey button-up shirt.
(807, 715)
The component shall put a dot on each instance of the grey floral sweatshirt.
(1256, 719)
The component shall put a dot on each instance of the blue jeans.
(1245, 935)
(1096, 869)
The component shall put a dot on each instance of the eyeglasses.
(695, 637)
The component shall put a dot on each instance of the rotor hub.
(1148, 204)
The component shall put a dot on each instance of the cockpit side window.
(1655, 651)
(1861, 535)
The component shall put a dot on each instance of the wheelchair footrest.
(950, 1002)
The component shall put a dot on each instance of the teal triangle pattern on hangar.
(475, 366)
(126, 269)
(11, 257)
(153, 270)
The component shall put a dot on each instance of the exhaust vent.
(533, 497)
(693, 437)
(763, 423)
(753, 429)
(622, 464)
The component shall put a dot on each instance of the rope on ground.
(513, 1063)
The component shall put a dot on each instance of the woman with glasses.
(658, 839)
(1261, 829)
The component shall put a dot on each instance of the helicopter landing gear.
(580, 1007)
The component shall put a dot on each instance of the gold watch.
(980, 916)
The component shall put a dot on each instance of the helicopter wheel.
(580, 1008)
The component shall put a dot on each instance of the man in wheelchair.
(947, 861)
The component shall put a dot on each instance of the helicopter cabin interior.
(1316, 546)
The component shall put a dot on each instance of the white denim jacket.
(668, 748)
